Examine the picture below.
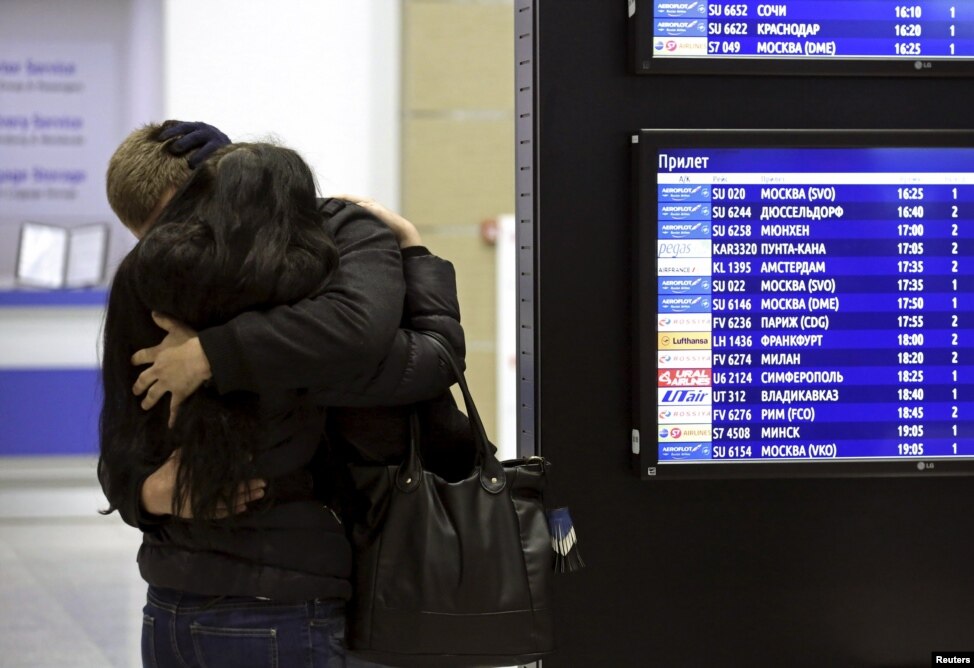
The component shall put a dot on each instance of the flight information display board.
(804, 303)
(846, 37)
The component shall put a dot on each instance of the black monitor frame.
(642, 61)
(646, 145)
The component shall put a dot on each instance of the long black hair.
(243, 233)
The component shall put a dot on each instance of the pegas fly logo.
(699, 248)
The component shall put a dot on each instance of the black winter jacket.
(342, 348)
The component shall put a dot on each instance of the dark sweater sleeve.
(412, 370)
(330, 342)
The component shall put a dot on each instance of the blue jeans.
(181, 630)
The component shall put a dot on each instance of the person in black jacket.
(262, 411)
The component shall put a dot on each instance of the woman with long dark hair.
(265, 586)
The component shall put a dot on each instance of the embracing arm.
(327, 342)
(412, 370)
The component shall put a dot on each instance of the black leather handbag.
(452, 573)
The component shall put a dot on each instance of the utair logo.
(684, 396)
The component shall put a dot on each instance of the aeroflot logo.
(672, 451)
(682, 193)
(675, 286)
(693, 230)
(677, 9)
(684, 211)
(689, 304)
(679, 28)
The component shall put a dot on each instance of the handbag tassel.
(564, 541)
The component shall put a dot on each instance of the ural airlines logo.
(684, 377)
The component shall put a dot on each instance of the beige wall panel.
(457, 172)
(458, 56)
(481, 377)
(476, 289)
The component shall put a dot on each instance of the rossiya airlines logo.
(692, 414)
(684, 322)
(690, 359)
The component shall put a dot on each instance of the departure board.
(925, 37)
(805, 298)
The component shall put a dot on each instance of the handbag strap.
(492, 476)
